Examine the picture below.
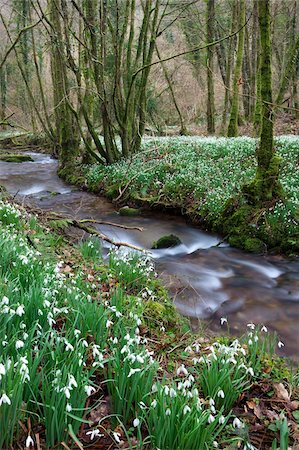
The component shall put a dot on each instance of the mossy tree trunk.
(67, 141)
(265, 187)
(234, 112)
(210, 67)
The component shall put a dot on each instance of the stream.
(207, 279)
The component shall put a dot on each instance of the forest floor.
(95, 356)
(198, 177)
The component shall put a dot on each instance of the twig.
(129, 182)
(102, 236)
(118, 225)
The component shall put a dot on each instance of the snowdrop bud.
(167, 412)
(211, 418)
(220, 393)
(136, 422)
(223, 320)
(280, 344)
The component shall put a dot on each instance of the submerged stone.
(126, 211)
(167, 241)
(19, 158)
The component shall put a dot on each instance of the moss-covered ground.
(199, 177)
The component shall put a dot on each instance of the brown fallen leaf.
(281, 392)
(256, 408)
(272, 415)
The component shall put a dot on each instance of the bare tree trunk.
(3, 95)
(254, 59)
(183, 129)
(234, 113)
(229, 66)
(210, 67)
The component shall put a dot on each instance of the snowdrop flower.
(116, 436)
(223, 320)
(220, 393)
(186, 409)
(251, 326)
(72, 382)
(154, 388)
(182, 369)
(167, 412)
(29, 441)
(2, 370)
(172, 393)
(89, 390)
(264, 329)
(5, 300)
(154, 403)
(250, 342)
(237, 423)
(211, 418)
(109, 323)
(93, 434)
(20, 310)
(5, 399)
(19, 344)
(133, 371)
(69, 407)
(136, 422)
(250, 371)
(221, 420)
(68, 346)
(280, 344)
(215, 444)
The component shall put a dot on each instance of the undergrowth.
(77, 336)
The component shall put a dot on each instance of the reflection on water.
(207, 279)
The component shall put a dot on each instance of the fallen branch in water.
(94, 232)
(118, 225)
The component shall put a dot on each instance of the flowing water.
(207, 278)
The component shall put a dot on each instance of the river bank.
(197, 177)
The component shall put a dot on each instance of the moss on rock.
(126, 211)
(18, 158)
(167, 241)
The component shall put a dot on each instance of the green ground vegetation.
(205, 178)
(93, 352)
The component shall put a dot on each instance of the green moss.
(265, 187)
(254, 245)
(126, 211)
(18, 158)
(167, 241)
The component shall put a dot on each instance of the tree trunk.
(229, 67)
(234, 113)
(65, 126)
(254, 60)
(3, 95)
(210, 68)
(265, 187)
